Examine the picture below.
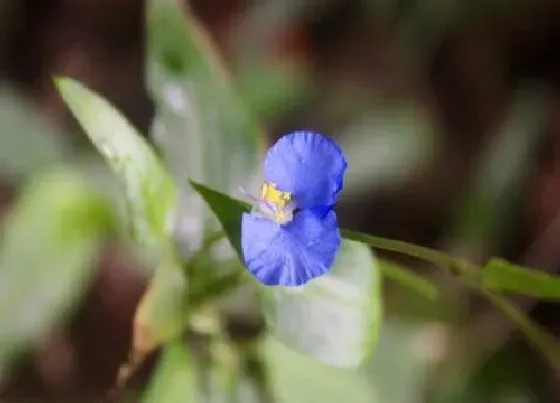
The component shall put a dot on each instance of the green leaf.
(334, 318)
(228, 211)
(296, 379)
(408, 278)
(500, 274)
(399, 369)
(162, 313)
(201, 126)
(48, 247)
(149, 189)
(174, 377)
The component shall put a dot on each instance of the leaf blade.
(63, 221)
(499, 274)
(150, 191)
(334, 318)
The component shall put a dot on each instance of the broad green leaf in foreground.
(298, 380)
(47, 252)
(499, 274)
(149, 189)
(334, 318)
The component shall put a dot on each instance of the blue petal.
(307, 165)
(290, 254)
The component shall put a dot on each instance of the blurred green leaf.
(408, 278)
(389, 145)
(334, 318)
(405, 357)
(149, 189)
(174, 377)
(503, 275)
(201, 126)
(162, 313)
(47, 252)
(29, 144)
(296, 379)
(269, 91)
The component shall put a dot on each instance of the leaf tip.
(62, 82)
(196, 185)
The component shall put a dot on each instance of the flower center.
(275, 196)
(279, 203)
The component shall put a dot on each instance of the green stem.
(435, 257)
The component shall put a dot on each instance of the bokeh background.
(449, 112)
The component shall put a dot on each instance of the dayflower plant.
(292, 234)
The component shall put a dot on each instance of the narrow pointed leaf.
(502, 275)
(149, 189)
(228, 211)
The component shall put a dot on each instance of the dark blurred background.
(451, 108)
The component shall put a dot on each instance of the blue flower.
(292, 235)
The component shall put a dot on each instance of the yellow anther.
(280, 216)
(272, 195)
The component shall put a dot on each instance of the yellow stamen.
(270, 194)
